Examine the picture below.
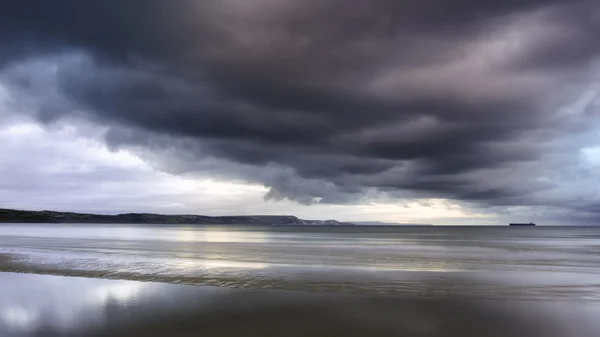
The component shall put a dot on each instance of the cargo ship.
(522, 224)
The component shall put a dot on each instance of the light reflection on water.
(219, 234)
(195, 264)
(129, 232)
(376, 259)
(29, 302)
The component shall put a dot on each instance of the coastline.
(52, 217)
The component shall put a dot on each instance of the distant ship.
(522, 224)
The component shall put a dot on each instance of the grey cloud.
(322, 101)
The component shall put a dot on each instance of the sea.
(235, 280)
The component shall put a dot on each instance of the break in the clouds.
(492, 104)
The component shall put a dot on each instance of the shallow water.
(52, 306)
(493, 262)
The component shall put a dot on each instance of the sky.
(428, 111)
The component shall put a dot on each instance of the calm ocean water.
(304, 281)
(494, 262)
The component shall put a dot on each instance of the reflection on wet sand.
(48, 306)
(32, 305)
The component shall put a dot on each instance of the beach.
(41, 305)
(83, 280)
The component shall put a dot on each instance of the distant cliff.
(18, 216)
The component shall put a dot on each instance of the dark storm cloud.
(434, 98)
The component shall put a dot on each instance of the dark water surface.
(48, 306)
(299, 281)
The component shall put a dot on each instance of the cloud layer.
(490, 102)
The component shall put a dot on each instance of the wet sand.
(45, 306)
